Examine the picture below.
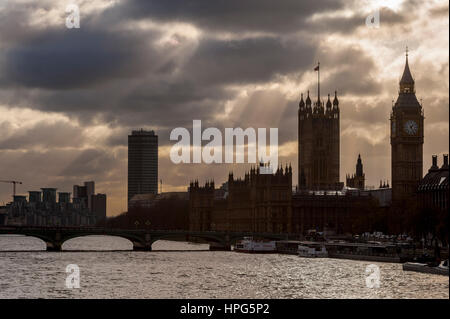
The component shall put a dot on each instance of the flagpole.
(318, 81)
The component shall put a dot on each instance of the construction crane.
(14, 185)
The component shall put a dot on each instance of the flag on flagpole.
(316, 68)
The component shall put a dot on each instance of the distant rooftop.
(143, 132)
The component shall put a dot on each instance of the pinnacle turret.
(335, 101)
(302, 103)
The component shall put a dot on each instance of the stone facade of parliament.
(267, 202)
(318, 144)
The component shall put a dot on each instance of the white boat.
(312, 252)
(248, 245)
(444, 265)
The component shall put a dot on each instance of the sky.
(70, 97)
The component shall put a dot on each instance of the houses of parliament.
(269, 202)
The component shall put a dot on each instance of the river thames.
(184, 270)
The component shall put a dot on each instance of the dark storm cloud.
(169, 102)
(266, 16)
(14, 18)
(67, 59)
(351, 80)
(352, 71)
(225, 15)
(199, 88)
(136, 104)
(250, 60)
(92, 71)
(348, 70)
(348, 24)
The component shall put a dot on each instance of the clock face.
(411, 127)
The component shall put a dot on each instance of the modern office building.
(98, 203)
(42, 209)
(49, 195)
(90, 191)
(84, 193)
(142, 163)
(63, 197)
(35, 196)
(85, 197)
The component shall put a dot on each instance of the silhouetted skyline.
(70, 97)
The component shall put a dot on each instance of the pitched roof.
(437, 179)
(407, 100)
(407, 77)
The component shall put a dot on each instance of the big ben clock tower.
(406, 139)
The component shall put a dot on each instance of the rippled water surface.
(182, 270)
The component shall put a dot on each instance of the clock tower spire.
(406, 138)
(407, 81)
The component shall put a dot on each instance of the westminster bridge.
(142, 239)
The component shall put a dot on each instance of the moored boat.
(249, 245)
(289, 247)
(441, 269)
(364, 251)
(314, 251)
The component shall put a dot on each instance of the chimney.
(434, 166)
(445, 165)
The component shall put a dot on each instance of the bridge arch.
(100, 242)
(187, 236)
(40, 238)
(54, 239)
(212, 240)
(137, 241)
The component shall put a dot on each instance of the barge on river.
(250, 245)
(344, 250)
